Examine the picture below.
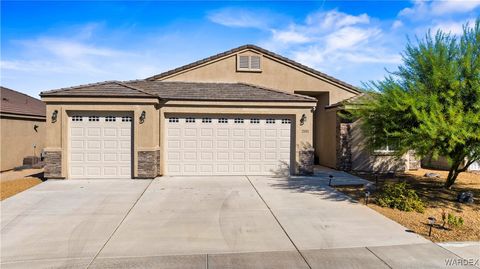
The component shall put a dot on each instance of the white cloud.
(290, 36)
(333, 40)
(422, 10)
(453, 27)
(335, 19)
(397, 24)
(454, 6)
(55, 60)
(236, 17)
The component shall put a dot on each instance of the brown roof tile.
(180, 91)
(263, 51)
(215, 91)
(106, 88)
(13, 102)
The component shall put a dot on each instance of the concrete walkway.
(339, 178)
(204, 222)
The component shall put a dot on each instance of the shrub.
(452, 220)
(400, 196)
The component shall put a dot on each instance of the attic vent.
(255, 62)
(243, 62)
(249, 63)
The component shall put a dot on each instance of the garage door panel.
(94, 131)
(112, 132)
(100, 146)
(190, 132)
(222, 156)
(76, 131)
(206, 144)
(93, 144)
(110, 157)
(226, 145)
(125, 132)
(190, 144)
(206, 156)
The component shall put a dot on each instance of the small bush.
(452, 220)
(400, 196)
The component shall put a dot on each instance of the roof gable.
(256, 49)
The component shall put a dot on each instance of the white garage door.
(100, 145)
(227, 145)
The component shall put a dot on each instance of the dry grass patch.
(437, 201)
(11, 187)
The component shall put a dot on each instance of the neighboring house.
(22, 124)
(246, 111)
(441, 163)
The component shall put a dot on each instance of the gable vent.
(255, 62)
(243, 62)
(249, 63)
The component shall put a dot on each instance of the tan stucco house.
(246, 111)
(22, 127)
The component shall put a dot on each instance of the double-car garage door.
(101, 145)
(221, 145)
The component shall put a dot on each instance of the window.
(222, 120)
(389, 147)
(126, 119)
(286, 121)
(110, 118)
(270, 121)
(254, 121)
(190, 120)
(237, 120)
(207, 120)
(249, 63)
(93, 118)
(77, 118)
(175, 120)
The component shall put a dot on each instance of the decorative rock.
(432, 175)
(465, 197)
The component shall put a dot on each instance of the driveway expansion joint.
(278, 222)
(119, 224)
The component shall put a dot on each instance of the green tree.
(431, 104)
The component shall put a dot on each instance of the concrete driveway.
(204, 222)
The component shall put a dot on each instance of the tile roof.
(215, 91)
(180, 91)
(13, 102)
(263, 51)
(106, 88)
(352, 100)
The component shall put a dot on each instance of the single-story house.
(246, 111)
(441, 163)
(22, 124)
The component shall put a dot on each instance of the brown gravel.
(9, 188)
(437, 200)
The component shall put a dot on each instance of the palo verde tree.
(431, 104)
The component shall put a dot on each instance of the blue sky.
(47, 45)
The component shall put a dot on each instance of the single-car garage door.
(100, 145)
(217, 145)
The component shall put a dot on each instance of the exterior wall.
(353, 153)
(286, 77)
(441, 163)
(302, 138)
(274, 74)
(148, 155)
(18, 138)
(145, 135)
